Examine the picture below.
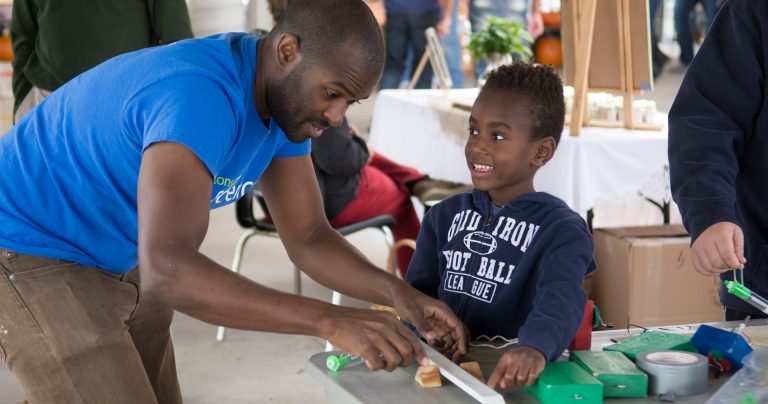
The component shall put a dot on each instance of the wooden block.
(473, 368)
(428, 376)
(381, 307)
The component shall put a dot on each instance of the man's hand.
(719, 248)
(446, 345)
(378, 336)
(433, 319)
(443, 27)
(518, 367)
(535, 25)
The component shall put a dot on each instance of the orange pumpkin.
(6, 51)
(551, 20)
(547, 51)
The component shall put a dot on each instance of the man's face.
(315, 95)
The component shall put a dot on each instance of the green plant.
(502, 36)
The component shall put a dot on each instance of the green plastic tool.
(744, 293)
(652, 341)
(620, 377)
(334, 363)
(566, 382)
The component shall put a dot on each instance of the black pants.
(735, 315)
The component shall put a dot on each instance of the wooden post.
(419, 70)
(584, 30)
(628, 82)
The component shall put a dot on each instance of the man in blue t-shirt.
(120, 167)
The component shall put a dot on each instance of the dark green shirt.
(55, 40)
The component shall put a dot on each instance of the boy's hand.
(518, 367)
(719, 248)
(433, 319)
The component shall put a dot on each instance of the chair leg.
(335, 300)
(391, 265)
(296, 280)
(336, 297)
(388, 236)
(238, 259)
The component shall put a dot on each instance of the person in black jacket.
(718, 151)
(357, 184)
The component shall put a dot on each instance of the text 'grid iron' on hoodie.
(515, 271)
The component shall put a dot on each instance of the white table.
(357, 384)
(420, 128)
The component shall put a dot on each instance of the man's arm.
(291, 192)
(712, 116)
(444, 25)
(535, 23)
(170, 20)
(23, 36)
(173, 219)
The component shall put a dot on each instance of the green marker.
(334, 363)
(742, 292)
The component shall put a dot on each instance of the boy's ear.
(545, 150)
(288, 52)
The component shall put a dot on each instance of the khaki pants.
(75, 334)
(34, 97)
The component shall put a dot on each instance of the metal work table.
(357, 384)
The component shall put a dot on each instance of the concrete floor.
(253, 367)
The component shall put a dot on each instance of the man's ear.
(545, 149)
(288, 52)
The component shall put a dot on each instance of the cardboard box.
(645, 277)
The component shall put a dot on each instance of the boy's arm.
(424, 271)
(558, 307)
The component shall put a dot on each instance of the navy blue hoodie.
(718, 137)
(517, 273)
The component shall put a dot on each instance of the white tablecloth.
(420, 128)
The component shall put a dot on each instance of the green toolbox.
(652, 341)
(620, 377)
(566, 382)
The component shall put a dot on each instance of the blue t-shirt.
(69, 170)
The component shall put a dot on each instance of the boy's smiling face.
(501, 153)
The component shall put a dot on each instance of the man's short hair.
(323, 26)
(540, 87)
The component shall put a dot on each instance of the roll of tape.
(678, 372)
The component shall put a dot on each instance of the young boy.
(508, 260)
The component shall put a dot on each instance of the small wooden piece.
(381, 307)
(473, 368)
(428, 376)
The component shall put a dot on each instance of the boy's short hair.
(542, 88)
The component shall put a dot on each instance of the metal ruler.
(462, 379)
